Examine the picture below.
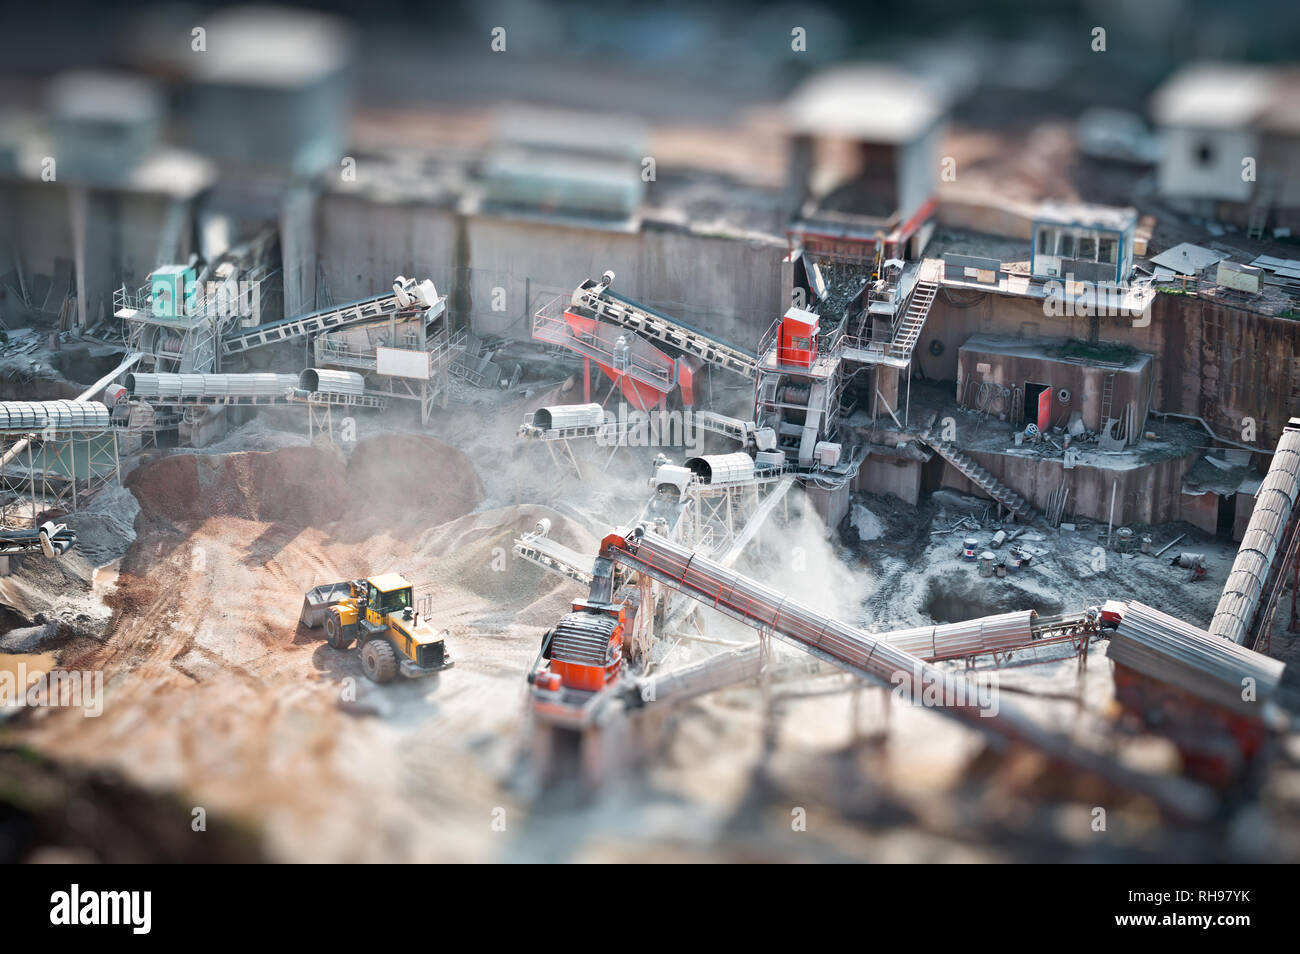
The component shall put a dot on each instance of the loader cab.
(389, 593)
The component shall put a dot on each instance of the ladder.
(1257, 215)
(1107, 399)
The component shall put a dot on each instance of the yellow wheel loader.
(379, 616)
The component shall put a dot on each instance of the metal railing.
(549, 325)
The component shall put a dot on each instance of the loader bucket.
(318, 600)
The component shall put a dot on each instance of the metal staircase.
(1016, 504)
(918, 309)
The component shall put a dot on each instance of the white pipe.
(1110, 526)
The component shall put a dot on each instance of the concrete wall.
(1085, 383)
(363, 245)
(918, 170)
(1281, 155)
(831, 505)
(1200, 510)
(499, 270)
(1183, 172)
(1150, 494)
(123, 230)
(980, 211)
(890, 475)
(729, 286)
(1215, 362)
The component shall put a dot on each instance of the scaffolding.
(56, 469)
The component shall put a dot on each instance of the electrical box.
(173, 290)
(1243, 278)
(827, 453)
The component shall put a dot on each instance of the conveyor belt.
(875, 659)
(366, 309)
(49, 538)
(596, 298)
(406, 301)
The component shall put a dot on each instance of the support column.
(78, 201)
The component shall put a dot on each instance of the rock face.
(410, 480)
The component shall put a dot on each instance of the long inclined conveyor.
(411, 298)
(652, 325)
(874, 659)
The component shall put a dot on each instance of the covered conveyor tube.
(875, 659)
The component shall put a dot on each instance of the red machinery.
(1112, 613)
(798, 345)
(581, 658)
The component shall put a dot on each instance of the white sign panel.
(403, 363)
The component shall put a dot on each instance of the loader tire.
(335, 634)
(379, 661)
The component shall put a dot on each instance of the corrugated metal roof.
(329, 381)
(23, 417)
(1187, 259)
(164, 385)
(722, 468)
(968, 638)
(1167, 649)
(1274, 504)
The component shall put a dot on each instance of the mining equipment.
(379, 615)
(582, 662)
(51, 539)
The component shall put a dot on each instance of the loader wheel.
(379, 661)
(334, 634)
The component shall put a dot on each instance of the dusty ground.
(216, 698)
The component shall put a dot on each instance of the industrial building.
(771, 447)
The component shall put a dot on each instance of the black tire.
(335, 633)
(379, 661)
